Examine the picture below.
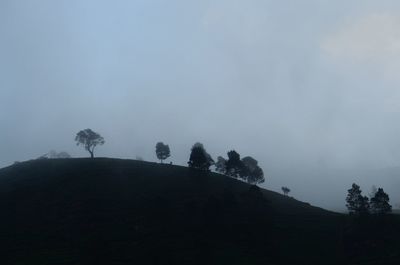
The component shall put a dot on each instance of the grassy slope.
(110, 211)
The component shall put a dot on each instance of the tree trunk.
(91, 154)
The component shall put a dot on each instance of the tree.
(234, 166)
(285, 190)
(356, 203)
(250, 171)
(199, 158)
(220, 165)
(256, 176)
(380, 202)
(162, 151)
(89, 140)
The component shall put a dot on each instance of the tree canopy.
(380, 202)
(356, 202)
(220, 165)
(251, 172)
(162, 151)
(246, 169)
(89, 140)
(234, 166)
(199, 158)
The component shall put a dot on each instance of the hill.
(111, 211)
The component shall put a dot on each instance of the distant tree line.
(246, 168)
(357, 204)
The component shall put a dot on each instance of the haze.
(309, 88)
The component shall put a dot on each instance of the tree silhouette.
(234, 166)
(199, 158)
(89, 140)
(250, 171)
(220, 165)
(356, 203)
(162, 151)
(256, 176)
(285, 190)
(380, 202)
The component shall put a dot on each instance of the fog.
(308, 88)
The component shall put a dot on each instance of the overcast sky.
(310, 89)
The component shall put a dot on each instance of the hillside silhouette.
(113, 211)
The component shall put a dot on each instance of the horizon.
(340, 209)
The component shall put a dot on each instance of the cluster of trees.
(358, 204)
(246, 168)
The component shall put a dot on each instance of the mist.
(309, 89)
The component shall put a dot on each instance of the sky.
(308, 88)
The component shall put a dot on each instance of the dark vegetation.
(109, 211)
(246, 169)
(371, 235)
(199, 158)
(358, 204)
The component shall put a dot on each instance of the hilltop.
(112, 211)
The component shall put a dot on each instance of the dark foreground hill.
(110, 211)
